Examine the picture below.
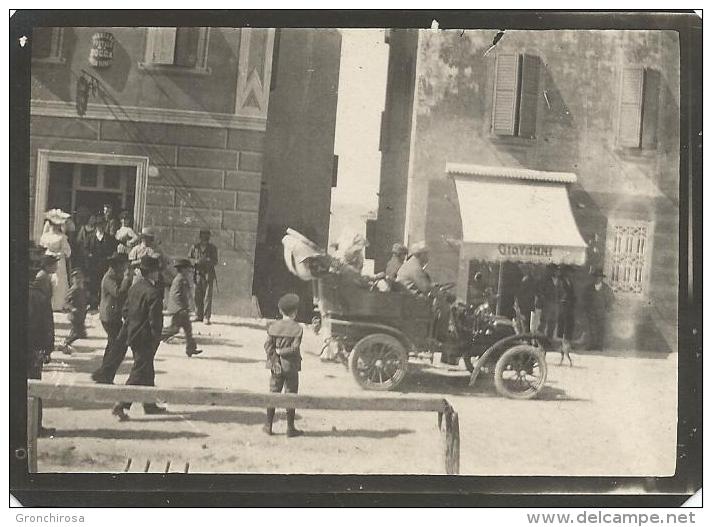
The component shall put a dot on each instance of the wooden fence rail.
(448, 422)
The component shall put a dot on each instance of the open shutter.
(186, 46)
(631, 108)
(504, 110)
(651, 97)
(529, 98)
(161, 45)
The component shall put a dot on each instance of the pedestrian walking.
(143, 327)
(40, 323)
(76, 307)
(114, 288)
(597, 301)
(180, 302)
(566, 316)
(204, 256)
(284, 359)
(56, 243)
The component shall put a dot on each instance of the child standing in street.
(76, 305)
(284, 359)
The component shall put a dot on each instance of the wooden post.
(33, 416)
(450, 441)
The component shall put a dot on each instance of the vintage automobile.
(379, 332)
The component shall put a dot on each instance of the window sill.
(512, 140)
(49, 60)
(169, 68)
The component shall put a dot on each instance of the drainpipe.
(411, 150)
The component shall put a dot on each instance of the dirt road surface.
(611, 414)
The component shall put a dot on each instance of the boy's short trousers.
(289, 381)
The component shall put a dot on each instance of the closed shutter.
(161, 45)
(651, 95)
(186, 46)
(631, 108)
(529, 98)
(506, 80)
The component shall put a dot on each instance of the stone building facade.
(603, 105)
(173, 131)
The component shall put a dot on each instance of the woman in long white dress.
(55, 242)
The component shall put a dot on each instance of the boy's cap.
(289, 303)
(181, 263)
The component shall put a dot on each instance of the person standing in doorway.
(110, 219)
(204, 256)
(597, 301)
(180, 300)
(144, 325)
(98, 249)
(526, 296)
(126, 237)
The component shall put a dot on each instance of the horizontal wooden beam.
(108, 393)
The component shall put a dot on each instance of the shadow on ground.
(370, 434)
(127, 433)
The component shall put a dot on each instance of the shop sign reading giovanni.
(544, 251)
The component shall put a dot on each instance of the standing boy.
(205, 257)
(144, 323)
(75, 303)
(179, 304)
(284, 359)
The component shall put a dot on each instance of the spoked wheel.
(520, 372)
(378, 362)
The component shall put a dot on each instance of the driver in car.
(412, 275)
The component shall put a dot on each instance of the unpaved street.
(608, 415)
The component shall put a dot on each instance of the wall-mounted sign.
(102, 50)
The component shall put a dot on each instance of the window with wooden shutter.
(506, 89)
(628, 254)
(47, 44)
(529, 96)
(638, 114)
(183, 48)
(516, 95)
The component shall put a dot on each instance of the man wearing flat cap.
(179, 304)
(143, 326)
(204, 256)
(412, 275)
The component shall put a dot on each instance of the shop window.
(628, 250)
(177, 48)
(47, 44)
(516, 95)
(638, 110)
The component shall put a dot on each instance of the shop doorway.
(82, 183)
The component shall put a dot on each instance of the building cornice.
(149, 115)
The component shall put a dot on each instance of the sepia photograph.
(402, 250)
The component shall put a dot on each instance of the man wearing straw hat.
(412, 273)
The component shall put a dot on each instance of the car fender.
(506, 343)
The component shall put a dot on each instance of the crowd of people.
(104, 266)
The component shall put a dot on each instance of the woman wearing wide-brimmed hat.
(55, 242)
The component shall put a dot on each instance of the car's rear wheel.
(378, 362)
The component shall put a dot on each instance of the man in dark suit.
(204, 256)
(98, 248)
(144, 324)
(114, 289)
